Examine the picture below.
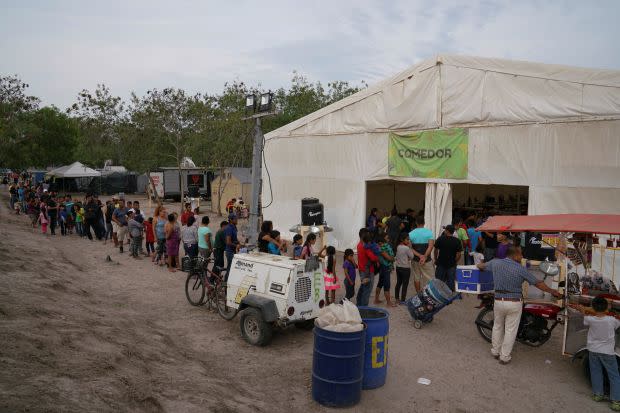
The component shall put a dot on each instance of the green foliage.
(157, 129)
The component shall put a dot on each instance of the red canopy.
(593, 223)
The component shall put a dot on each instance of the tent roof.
(468, 91)
(595, 223)
(75, 170)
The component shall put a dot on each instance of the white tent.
(552, 129)
(75, 170)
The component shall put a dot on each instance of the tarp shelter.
(75, 170)
(74, 177)
(552, 132)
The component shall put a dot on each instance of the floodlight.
(250, 103)
(265, 102)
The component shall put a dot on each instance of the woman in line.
(159, 224)
(189, 236)
(172, 242)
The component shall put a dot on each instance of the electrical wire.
(268, 176)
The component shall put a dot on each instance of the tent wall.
(335, 168)
(562, 200)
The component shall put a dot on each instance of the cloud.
(60, 48)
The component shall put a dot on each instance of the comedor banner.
(429, 154)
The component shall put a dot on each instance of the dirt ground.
(78, 333)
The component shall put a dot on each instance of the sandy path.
(80, 334)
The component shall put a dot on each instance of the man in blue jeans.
(232, 243)
(447, 252)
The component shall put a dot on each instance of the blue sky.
(61, 47)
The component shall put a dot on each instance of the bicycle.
(207, 287)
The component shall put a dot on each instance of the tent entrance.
(386, 194)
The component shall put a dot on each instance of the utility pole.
(258, 108)
(257, 168)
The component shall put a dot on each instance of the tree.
(169, 118)
(101, 119)
(15, 127)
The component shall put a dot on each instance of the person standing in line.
(394, 226)
(109, 209)
(189, 237)
(461, 233)
(149, 236)
(502, 246)
(601, 352)
(448, 250)
(219, 246)
(43, 219)
(366, 259)
(372, 222)
(159, 223)
(79, 220)
(232, 243)
(62, 215)
(135, 229)
(187, 212)
(490, 245)
(52, 213)
(90, 217)
(350, 272)
(204, 238)
(330, 277)
(119, 220)
(508, 278)
(422, 242)
(475, 238)
(404, 256)
(386, 262)
(172, 242)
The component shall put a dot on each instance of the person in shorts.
(422, 242)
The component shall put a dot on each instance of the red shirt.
(363, 256)
(185, 216)
(148, 230)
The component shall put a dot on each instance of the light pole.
(257, 110)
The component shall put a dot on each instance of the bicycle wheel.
(227, 312)
(194, 289)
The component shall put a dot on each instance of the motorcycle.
(534, 329)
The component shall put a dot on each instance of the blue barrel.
(376, 359)
(337, 367)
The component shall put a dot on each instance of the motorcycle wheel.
(484, 323)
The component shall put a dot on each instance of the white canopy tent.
(75, 170)
(553, 129)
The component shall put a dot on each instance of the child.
(135, 234)
(79, 219)
(404, 256)
(331, 280)
(62, 216)
(478, 255)
(150, 237)
(43, 218)
(297, 247)
(350, 273)
(307, 251)
(601, 343)
(386, 262)
(272, 247)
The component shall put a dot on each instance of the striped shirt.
(508, 277)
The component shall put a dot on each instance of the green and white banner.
(429, 154)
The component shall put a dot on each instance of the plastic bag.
(343, 318)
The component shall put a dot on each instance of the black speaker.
(312, 214)
(307, 201)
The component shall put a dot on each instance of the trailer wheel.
(254, 329)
